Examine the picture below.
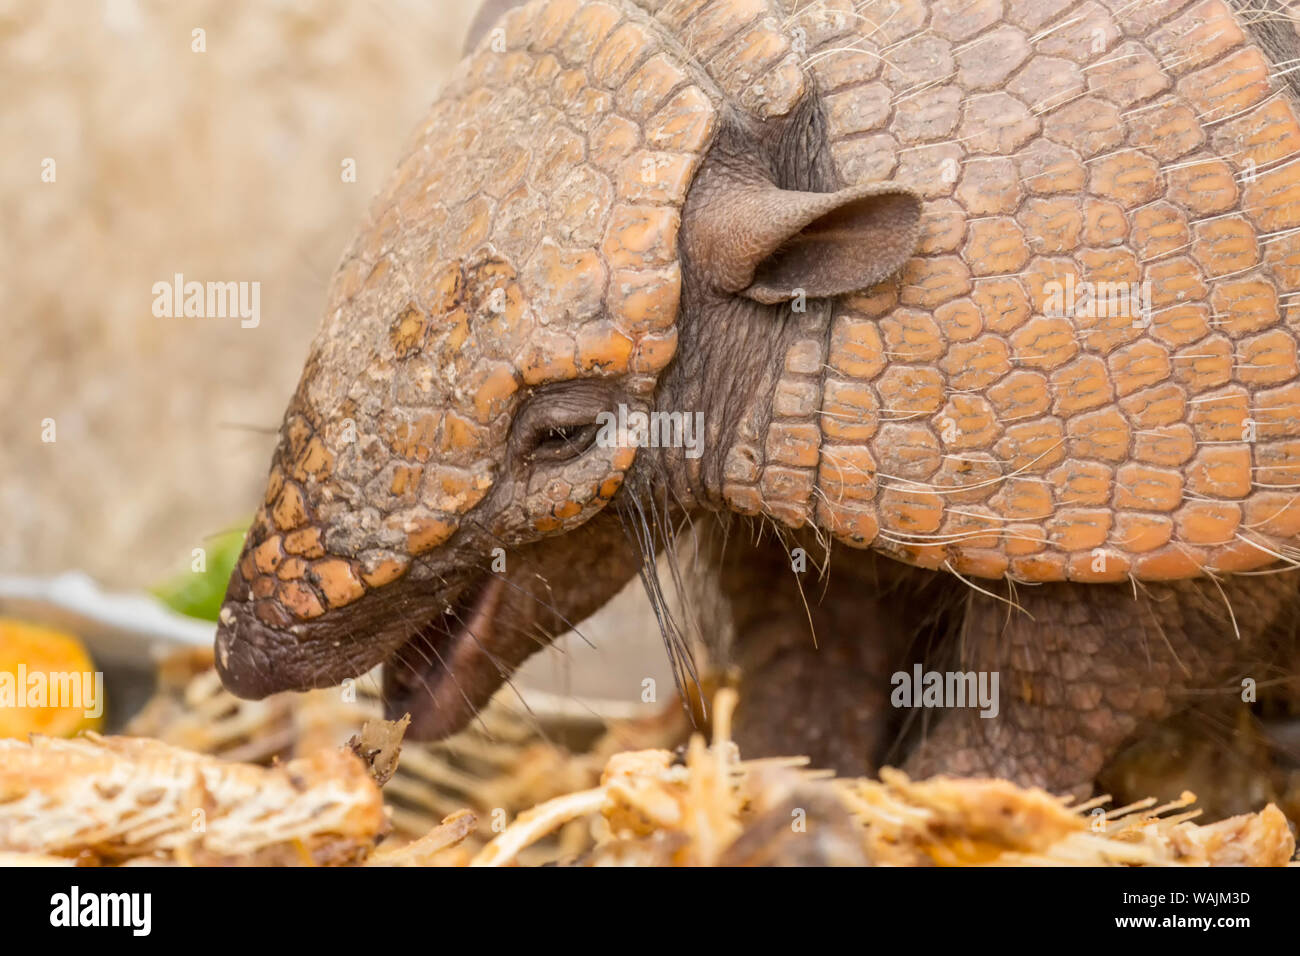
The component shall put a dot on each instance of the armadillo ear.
(771, 244)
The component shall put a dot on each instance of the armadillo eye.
(563, 442)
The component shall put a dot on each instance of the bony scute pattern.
(529, 237)
(744, 47)
(965, 422)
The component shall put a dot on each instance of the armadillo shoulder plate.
(1089, 370)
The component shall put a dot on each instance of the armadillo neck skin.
(1088, 371)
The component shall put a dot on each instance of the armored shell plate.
(978, 414)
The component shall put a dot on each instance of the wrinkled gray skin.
(1082, 668)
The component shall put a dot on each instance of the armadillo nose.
(243, 669)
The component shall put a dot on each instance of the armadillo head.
(440, 499)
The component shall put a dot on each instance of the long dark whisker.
(506, 678)
(546, 604)
(413, 642)
(681, 662)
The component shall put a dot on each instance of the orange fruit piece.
(48, 683)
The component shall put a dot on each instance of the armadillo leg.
(1083, 669)
(814, 668)
(828, 701)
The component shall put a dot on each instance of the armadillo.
(985, 302)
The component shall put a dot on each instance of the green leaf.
(200, 593)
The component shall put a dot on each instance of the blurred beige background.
(223, 165)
